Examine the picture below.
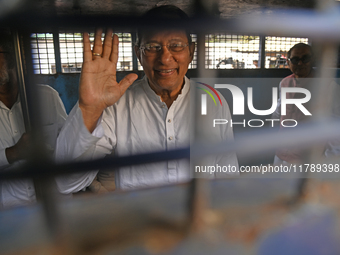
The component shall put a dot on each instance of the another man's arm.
(12, 154)
(19, 150)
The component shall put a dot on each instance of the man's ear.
(138, 53)
(192, 49)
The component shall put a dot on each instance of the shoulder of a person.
(287, 81)
(289, 77)
(46, 89)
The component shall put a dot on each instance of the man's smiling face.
(166, 69)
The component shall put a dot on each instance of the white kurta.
(12, 127)
(138, 123)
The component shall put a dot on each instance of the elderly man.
(14, 142)
(300, 61)
(150, 115)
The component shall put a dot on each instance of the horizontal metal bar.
(248, 144)
(40, 169)
(302, 23)
(299, 23)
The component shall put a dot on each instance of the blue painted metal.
(67, 85)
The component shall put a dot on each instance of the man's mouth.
(166, 71)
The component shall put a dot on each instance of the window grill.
(193, 64)
(71, 52)
(43, 56)
(225, 51)
(125, 50)
(276, 49)
(222, 51)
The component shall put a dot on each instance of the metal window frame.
(136, 65)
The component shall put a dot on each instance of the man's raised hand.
(98, 86)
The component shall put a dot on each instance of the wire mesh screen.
(71, 52)
(276, 50)
(43, 53)
(125, 50)
(193, 63)
(225, 51)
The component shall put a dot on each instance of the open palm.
(98, 86)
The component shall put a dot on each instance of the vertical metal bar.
(45, 189)
(262, 53)
(134, 57)
(198, 189)
(21, 81)
(321, 106)
(57, 51)
(201, 54)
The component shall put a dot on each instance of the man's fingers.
(97, 47)
(107, 44)
(87, 48)
(114, 51)
(127, 81)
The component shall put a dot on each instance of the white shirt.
(138, 123)
(332, 148)
(19, 192)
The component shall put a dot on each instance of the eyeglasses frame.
(142, 48)
(301, 59)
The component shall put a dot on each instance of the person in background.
(300, 60)
(14, 141)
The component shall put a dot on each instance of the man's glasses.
(305, 59)
(151, 49)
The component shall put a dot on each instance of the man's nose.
(165, 55)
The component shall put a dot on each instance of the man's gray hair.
(162, 13)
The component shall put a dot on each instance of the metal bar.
(39, 170)
(134, 57)
(57, 51)
(21, 81)
(43, 185)
(247, 145)
(262, 52)
(322, 25)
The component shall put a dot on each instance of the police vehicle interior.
(239, 42)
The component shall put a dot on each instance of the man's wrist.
(90, 116)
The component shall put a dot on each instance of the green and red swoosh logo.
(209, 93)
